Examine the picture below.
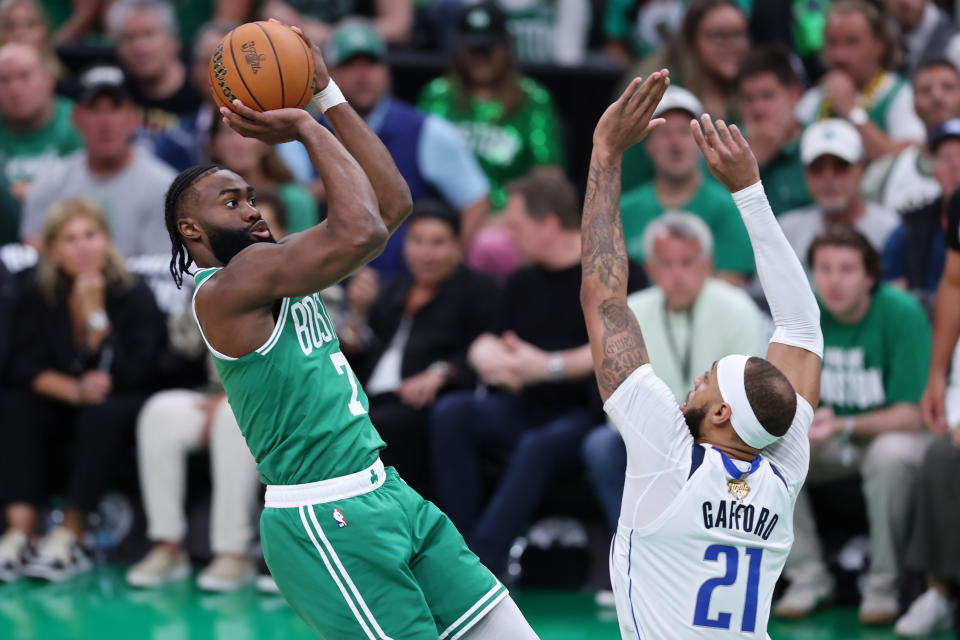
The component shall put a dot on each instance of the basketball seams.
(236, 67)
(311, 72)
(276, 57)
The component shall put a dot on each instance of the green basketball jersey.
(299, 405)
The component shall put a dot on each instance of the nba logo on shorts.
(338, 516)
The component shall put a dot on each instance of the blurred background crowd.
(467, 331)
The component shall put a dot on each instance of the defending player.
(706, 520)
(356, 552)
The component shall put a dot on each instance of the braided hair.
(181, 260)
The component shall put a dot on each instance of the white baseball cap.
(834, 137)
(678, 98)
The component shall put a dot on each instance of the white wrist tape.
(792, 305)
(329, 96)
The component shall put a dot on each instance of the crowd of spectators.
(467, 331)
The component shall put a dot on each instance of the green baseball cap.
(351, 39)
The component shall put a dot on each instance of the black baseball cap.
(103, 80)
(481, 26)
(945, 131)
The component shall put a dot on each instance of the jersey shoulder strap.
(201, 275)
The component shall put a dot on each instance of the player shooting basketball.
(706, 521)
(356, 552)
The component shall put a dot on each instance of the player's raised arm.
(796, 347)
(615, 338)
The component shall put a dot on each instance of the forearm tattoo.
(605, 271)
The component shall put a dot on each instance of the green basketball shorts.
(364, 556)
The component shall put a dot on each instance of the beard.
(694, 417)
(226, 243)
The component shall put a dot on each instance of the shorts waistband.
(330, 490)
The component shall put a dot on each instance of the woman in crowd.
(408, 338)
(507, 119)
(25, 22)
(259, 164)
(86, 338)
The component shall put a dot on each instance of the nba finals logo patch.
(338, 516)
(251, 56)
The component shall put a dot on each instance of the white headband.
(730, 380)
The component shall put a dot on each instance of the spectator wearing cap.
(859, 87)
(914, 254)
(926, 32)
(392, 19)
(508, 120)
(35, 125)
(126, 180)
(679, 185)
(875, 358)
(904, 181)
(769, 91)
(689, 320)
(833, 156)
(148, 48)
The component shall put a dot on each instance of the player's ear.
(721, 414)
(189, 228)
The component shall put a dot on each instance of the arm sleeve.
(903, 123)
(658, 444)
(796, 315)
(791, 453)
(449, 166)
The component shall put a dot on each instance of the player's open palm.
(273, 127)
(728, 154)
(630, 119)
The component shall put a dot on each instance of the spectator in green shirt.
(876, 355)
(678, 184)
(35, 126)
(769, 92)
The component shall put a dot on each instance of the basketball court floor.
(100, 606)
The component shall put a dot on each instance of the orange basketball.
(264, 64)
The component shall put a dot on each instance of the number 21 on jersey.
(343, 367)
(731, 555)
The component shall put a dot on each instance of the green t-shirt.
(507, 145)
(785, 181)
(24, 155)
(878, 361)
(299, 406)
(712, 203)
(300, 205)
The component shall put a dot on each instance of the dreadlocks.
(180, 261)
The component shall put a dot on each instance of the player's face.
(946, 165)
(841, 279)
(432, 251)
(834, 183)
(852, 47)
(363, 81)
(79, 247)
(26, 87)
(936, 95)
(722, 41)
(23, 24)
(672, 149)
(144, 47)
(704, 395)
(678, 267)
(106, 126)
(226, 212)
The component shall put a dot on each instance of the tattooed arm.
(615, 338)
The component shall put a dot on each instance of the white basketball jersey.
(707, 566)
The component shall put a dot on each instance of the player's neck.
(732, 452)
(675, 191)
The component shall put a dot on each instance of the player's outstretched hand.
(728, 154)
(273, 127)
(630, 119)
(321, 76)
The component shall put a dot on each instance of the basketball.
(265, 65)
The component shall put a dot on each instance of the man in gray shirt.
(126, 180)
(834, 159)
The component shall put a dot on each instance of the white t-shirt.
(801, 226)
(689, 559)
